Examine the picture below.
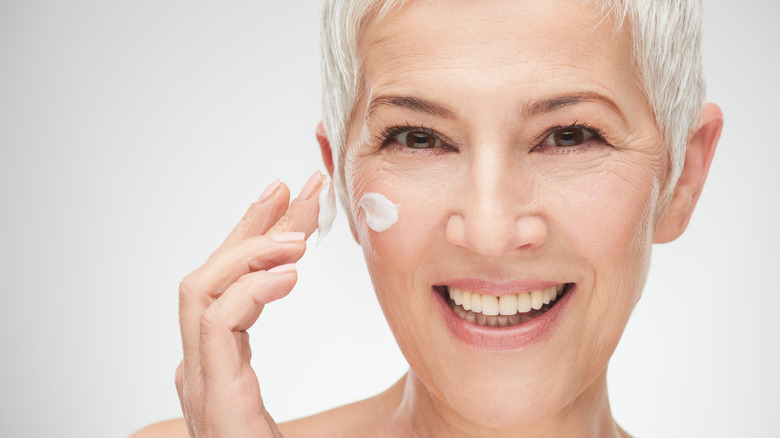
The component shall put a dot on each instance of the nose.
(493, 214)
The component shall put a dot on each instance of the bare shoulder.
(165, 429)
(369, 417)
(354, 419)
(345, 421)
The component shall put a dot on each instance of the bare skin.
(496, 195)
(369, 417)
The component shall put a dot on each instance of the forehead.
(481, 50)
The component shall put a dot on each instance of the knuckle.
(187, 285)
(247, 245)
(209, 319)
(245, 281)
(284, 223)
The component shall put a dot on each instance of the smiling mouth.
(505, 311)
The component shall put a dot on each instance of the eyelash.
(595, 135)
(387, 135)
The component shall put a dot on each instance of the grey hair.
(666, 38)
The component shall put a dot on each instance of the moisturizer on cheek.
(327, 210)
(381, 213)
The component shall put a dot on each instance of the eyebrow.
(412, 103)
(555, 103)
(528, 110)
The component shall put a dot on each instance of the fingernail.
(290, 236)
(311, 184)
(269, 190)
(283, 268)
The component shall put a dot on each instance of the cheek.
(609, 224)
(605, 215)
(605, 218)
(420, 214)
(607, 221)
(400, 258)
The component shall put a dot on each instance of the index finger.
(302, 213)
(261, 215)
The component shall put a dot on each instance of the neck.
(419, 413)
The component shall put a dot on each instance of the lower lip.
(503, 338)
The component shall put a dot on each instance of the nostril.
(456, 230)
(498, 236)
(531, 232)
(483, 234)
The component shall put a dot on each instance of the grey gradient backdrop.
(134, 134)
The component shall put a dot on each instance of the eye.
(569, 136)
(418, 139)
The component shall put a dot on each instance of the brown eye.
(569, 136)
(418, 140)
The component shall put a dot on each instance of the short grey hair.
(666, 38)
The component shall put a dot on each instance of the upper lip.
(499, 288)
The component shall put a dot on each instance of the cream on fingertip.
(381, 213)
(327, 209)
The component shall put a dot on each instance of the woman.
(533, 151)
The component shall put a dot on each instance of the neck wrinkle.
(420, 414)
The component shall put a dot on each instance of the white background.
(134, 134)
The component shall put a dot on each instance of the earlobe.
(327, 152)
(698, 157)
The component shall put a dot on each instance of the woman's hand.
(219, 301)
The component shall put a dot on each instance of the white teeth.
(467, 299)
(507, 305)
(553, 293)
(476, 302)
(456, 295)
(537, 299)
(490, 305)
(478, 307)
(524, 302)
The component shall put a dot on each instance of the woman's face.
(523, 155)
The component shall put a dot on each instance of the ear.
(327, 152)
(698, 157)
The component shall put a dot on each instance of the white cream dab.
(381, 213)
(327, 209)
